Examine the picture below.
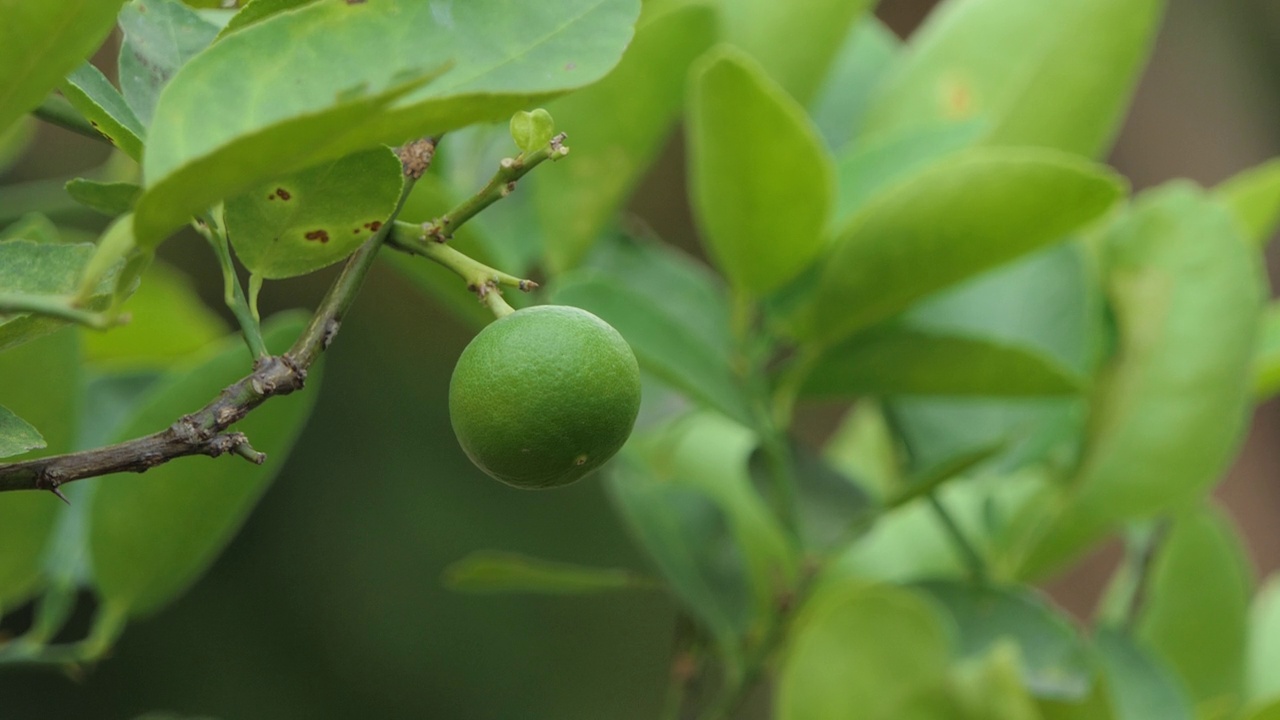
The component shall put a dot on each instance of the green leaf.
(14, 141)
(794, 46)
(108, 198)
(153, 535)
(1052, 660)
(311, 219)
(898, 360)
(160, 36)
(761, 181)
(47, 395)
(1186, 293)
(828, 504)
(489, 571)
(1139, 685)
(859, 651)
(40, 42)
(1271, 711)
(16, 435)
(168, 322)
(30, 268)
(32, 226)
(256, 11)
(532, 130)
(1262, 680)
(1266, 361)
(616, 129)
(962, 216)
(840, 105)
(219, 131)
(1253, 196)
(1077, 65)
(1200, 572)
(93, 95)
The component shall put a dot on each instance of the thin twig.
(232, 292)
(205, 432)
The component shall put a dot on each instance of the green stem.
(502, 184)
(481, 279)
(57, 306)
(968, 553)
(56, 110)
(232, 294)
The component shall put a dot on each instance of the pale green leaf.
(256, 11)
(302, 222)
(1139, 685)
(101, 104)
(108, 198)
(840, 105)
(30, 268)
(489, 571)
(964, 215)
(40, 42)
(17, 435)
(532, 130)
(1077, 63)
(160, 36)
(761, 180)
(1266, 361)
(1253, 196)
(1262, 679)
(219, 130)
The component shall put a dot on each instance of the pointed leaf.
(964, 215)
(489, 571)
(111, 199)
(40, 42)
(93, 95)
(616, 128)
(311, 219)
(152, 535)
(17, 435)
(219, 131)
(1077, 65)
(160, 36)
(1253, 197)
(761, 180)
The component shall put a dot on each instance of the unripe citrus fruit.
(544, 396)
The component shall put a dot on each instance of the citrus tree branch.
(207, 430)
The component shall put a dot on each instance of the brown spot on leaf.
(272, 196)
(321, 235)
(284, 194)
(374, 225)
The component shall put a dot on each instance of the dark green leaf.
(1077, 65)
(1140, 686)
(1053, 660)
(111, 199)
(898, 360)
(1262, 680)
(1200, 572)
(40, 42)
(160, 36)
(1253, 197)
(220, 130)
(30, 268)
(964, 215)
(795, 46)
(489, 571)
(153, 535)
(93, 95)
(761, 180)
(1186, 292)
(840, 105)
(314, 218)
(859, 651)
(16, 435)
(616, 127)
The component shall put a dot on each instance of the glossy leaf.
(1201, 572)
(1262, 680)
(168, 322)
(93, 95)
(840, 105)
(16, 435)
(795, 46)
(219, 131)
(1253, 197)
(108, 198)
(1077, 65)
(761, 180)
(311, 219)
(1186, 292)
(47, 395)
(897, 360)
(153, 535)
(489, 571)
(964, 215)
(858, 652)
(1266, 361)
(616, 128)
(160, 36)
(1138, 684)
(32, 268)
(1053, 661)
(40, 42)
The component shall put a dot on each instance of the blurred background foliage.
(328, 604)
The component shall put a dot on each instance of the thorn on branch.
(57, 491)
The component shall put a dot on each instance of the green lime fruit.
(544, 396)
